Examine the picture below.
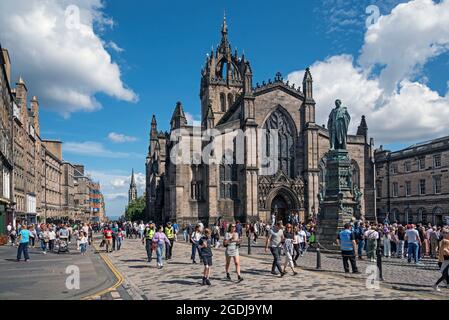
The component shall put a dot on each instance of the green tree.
(136, 210)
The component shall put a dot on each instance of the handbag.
(102, 243)
(153, 246)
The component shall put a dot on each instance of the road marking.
(115, 271)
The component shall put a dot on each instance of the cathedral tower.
(132, 193)
(221, 79)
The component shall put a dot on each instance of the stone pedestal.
(338, 206)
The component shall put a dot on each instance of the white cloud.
(408, 113)
(94, 149)
(120, 138)
(115, 47)
(64, 62)
(193, 120)
(403, 41)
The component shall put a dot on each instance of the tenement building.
(277, 120)
(36, 184)
(413, 183)
(6, 160)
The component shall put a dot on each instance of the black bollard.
(379, 263)
(249, 244)
(318, 257)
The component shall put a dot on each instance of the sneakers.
(204, 281)
(208, 282)
(228, 276)
(240, 279)
(436, 288)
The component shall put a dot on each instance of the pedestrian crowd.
(411, 242)
(49, 237)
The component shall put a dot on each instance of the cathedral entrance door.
(279, 207)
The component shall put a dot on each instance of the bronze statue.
(338, 126)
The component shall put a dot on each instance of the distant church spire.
(132, 194)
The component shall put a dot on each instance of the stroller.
(63, 245)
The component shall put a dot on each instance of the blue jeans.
(194, 249)
(118, 242)
(83, 247)
(159, 250)
(413, 250)
(360, 247)
(23, 247)
(43, 245)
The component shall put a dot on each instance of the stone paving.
(180, 279)
(397, 273)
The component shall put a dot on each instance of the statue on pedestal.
(338, 126)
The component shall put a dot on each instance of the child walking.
(205, 245)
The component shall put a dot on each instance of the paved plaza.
(180, 279)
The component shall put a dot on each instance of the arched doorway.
(283, 202)
(279, 208)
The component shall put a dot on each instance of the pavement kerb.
(114, 270)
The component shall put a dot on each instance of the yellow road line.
(117, 274)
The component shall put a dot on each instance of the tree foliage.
(136, 210)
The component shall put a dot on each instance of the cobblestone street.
(180, 279)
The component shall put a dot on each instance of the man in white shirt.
(412, 238)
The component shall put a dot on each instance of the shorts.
(207, 260)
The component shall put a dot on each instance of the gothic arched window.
(230, 100)
(280, 141)
(223, 102)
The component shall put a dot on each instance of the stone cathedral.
(192, 192)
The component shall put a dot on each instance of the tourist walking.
(51, 239)
(205, 245)
(160, 239)
(288, 248)
(413, 240)
(359, 234)
(170, 233)
(195, 239)
(107, 237)
(149, 232)
(401, 241)
(232, 244)
(346, 241)
(371, 236)
(83, 240)
(24, 239)
(274, 241)
(443, 260)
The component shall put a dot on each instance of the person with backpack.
(205, 246)
(371, 236)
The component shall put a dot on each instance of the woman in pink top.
(159, 239)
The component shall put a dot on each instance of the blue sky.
(159, 48)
